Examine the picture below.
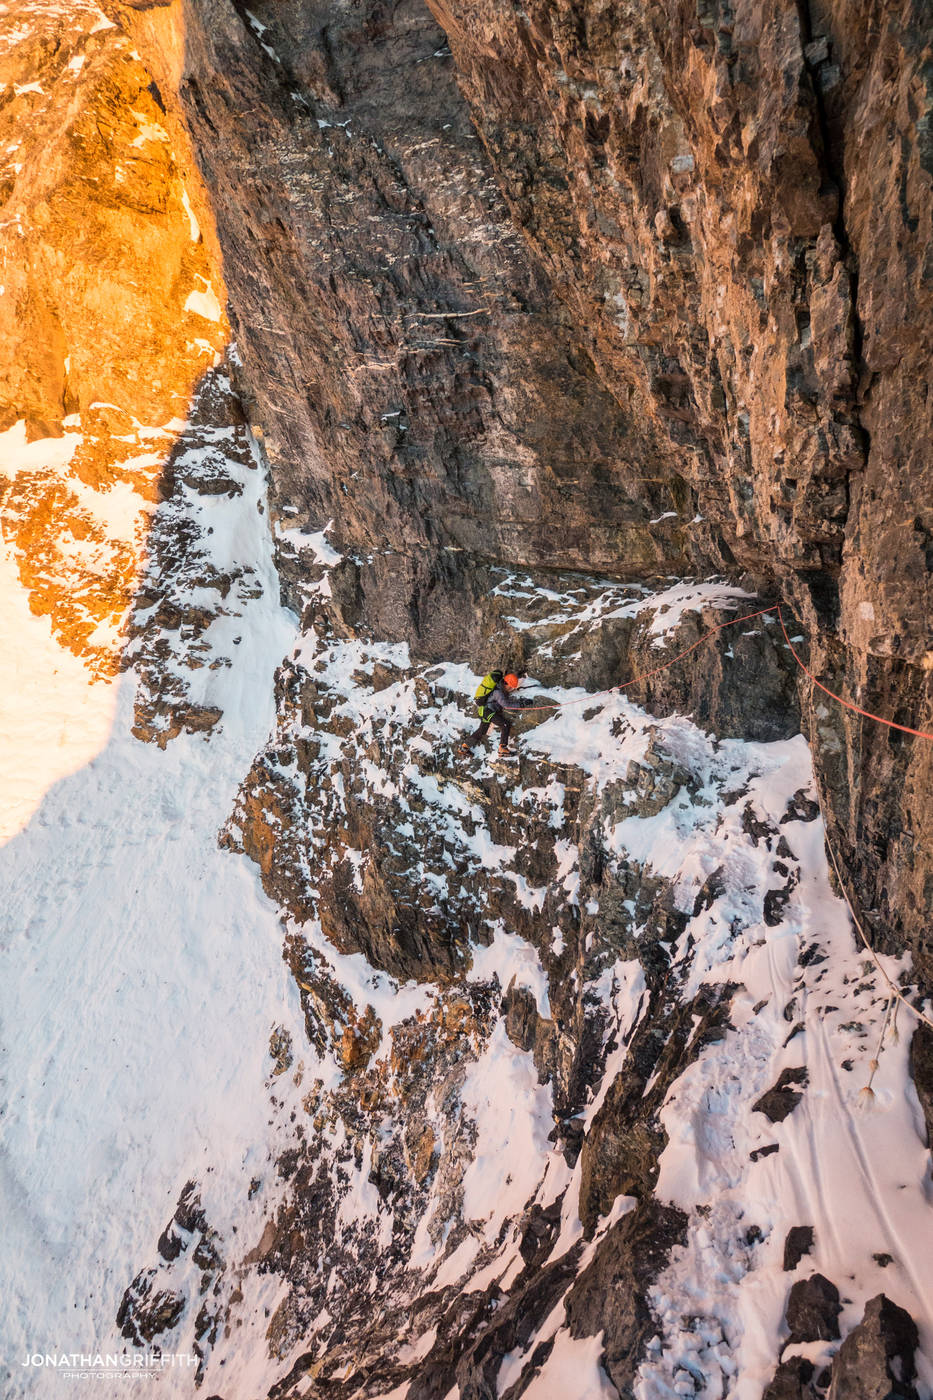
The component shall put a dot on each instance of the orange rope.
(918, 733)
(646, 675)
(732, 622)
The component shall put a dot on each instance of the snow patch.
(572, 1369)
(204, 303)
(513, 1116)
(510, 959)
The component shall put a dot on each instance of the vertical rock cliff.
(743, 226)
(716, 320)
(570, 338)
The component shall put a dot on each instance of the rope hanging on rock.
(734, 622)
(896, 997)
(879, 719)
(896, 993)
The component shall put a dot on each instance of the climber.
(494, 697)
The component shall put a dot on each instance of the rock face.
(792, 1381)
(736, 204)
(921, 1068)
(798, 1243)
(191, 583)
(877, 1358)
(875, 1361)
(697, 351)
(783, 1097)
(813, 1310)
(372, 840)
(414, 376)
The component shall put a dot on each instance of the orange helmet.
(510, 681)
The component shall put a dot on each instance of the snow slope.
(141, 970)
(737, 834)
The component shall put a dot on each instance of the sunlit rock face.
(110, 314)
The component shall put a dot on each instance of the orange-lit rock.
(111, 311)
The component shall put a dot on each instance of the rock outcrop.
(374, 839)
(875, 1362)
(877, 1357)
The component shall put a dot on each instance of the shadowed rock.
(876, 1360)
(781, 1099)
(792, 1381)
(610, 1296)
(799, 1242)
(921, 1068)
(813, 1310)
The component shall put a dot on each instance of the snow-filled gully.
(806, 999)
